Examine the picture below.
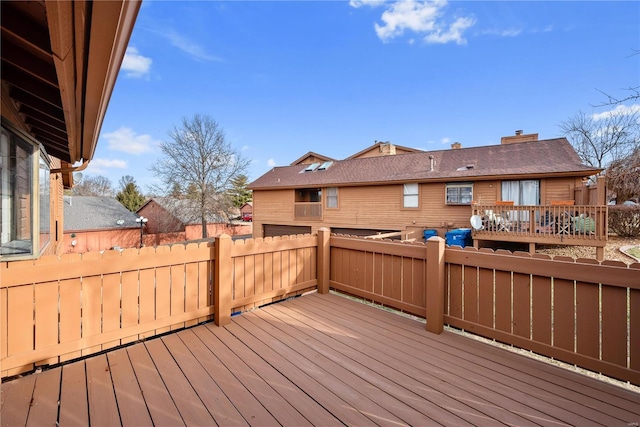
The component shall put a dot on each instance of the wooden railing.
(308, 210)
(57, 309)
(263, 270)
(582, 312)
(547, 224)
(387, 273)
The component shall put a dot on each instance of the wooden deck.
(315, 360)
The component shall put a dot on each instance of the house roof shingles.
(96, 213)
(544, 157)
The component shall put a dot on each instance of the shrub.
(624, 220)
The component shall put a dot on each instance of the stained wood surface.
(315, 360)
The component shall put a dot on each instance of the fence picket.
(614, 325)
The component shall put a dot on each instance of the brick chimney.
(519, 137)
(387, 149)
(456, 146)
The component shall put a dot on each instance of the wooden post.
(435, 285)
(324, 251)
(601, 191)
(223, 280)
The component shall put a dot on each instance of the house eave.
(59, 69)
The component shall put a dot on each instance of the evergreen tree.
(239, 192)
(129, 194)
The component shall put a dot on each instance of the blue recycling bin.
(430, 233)
(459, 237)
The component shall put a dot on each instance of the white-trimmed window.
(410, 195)
(525, 192)
(332, 197)
(24, 195)
(459, 193)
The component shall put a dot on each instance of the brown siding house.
(406, 190)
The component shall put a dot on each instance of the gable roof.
(552, 157)
(96, 213)
(311, 157)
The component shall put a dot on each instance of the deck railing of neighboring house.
(560, 223)
(57, 309)
(308, 210)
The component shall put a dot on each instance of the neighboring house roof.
(311, 157)
(552, 157)
(186, 210)
(96, 213)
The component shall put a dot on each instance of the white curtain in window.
(332, 197)
(526, 192)
(411, 195)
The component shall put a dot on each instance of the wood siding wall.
(380, 207)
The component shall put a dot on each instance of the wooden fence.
(57, 309)
(581, 312)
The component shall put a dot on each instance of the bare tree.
(602, 138)
(632, 92)
(93, 186)
(199, 158)
(623, 177)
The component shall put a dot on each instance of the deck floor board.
(464, 384)
(44, 406)
(74, 407)
(435, 362)
(366, 375)
(316, 360)
(549, 383)
(131, 405)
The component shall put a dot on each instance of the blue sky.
(287, 77)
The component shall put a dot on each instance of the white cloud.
(547, 29)
(102, 166)
(135, 64)
(188, 46)
(420, 17)
(502, 33)
(445, 140)
(125, 139)
(620, 110)
(360, 3)
(451, 34)
(272, 163)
